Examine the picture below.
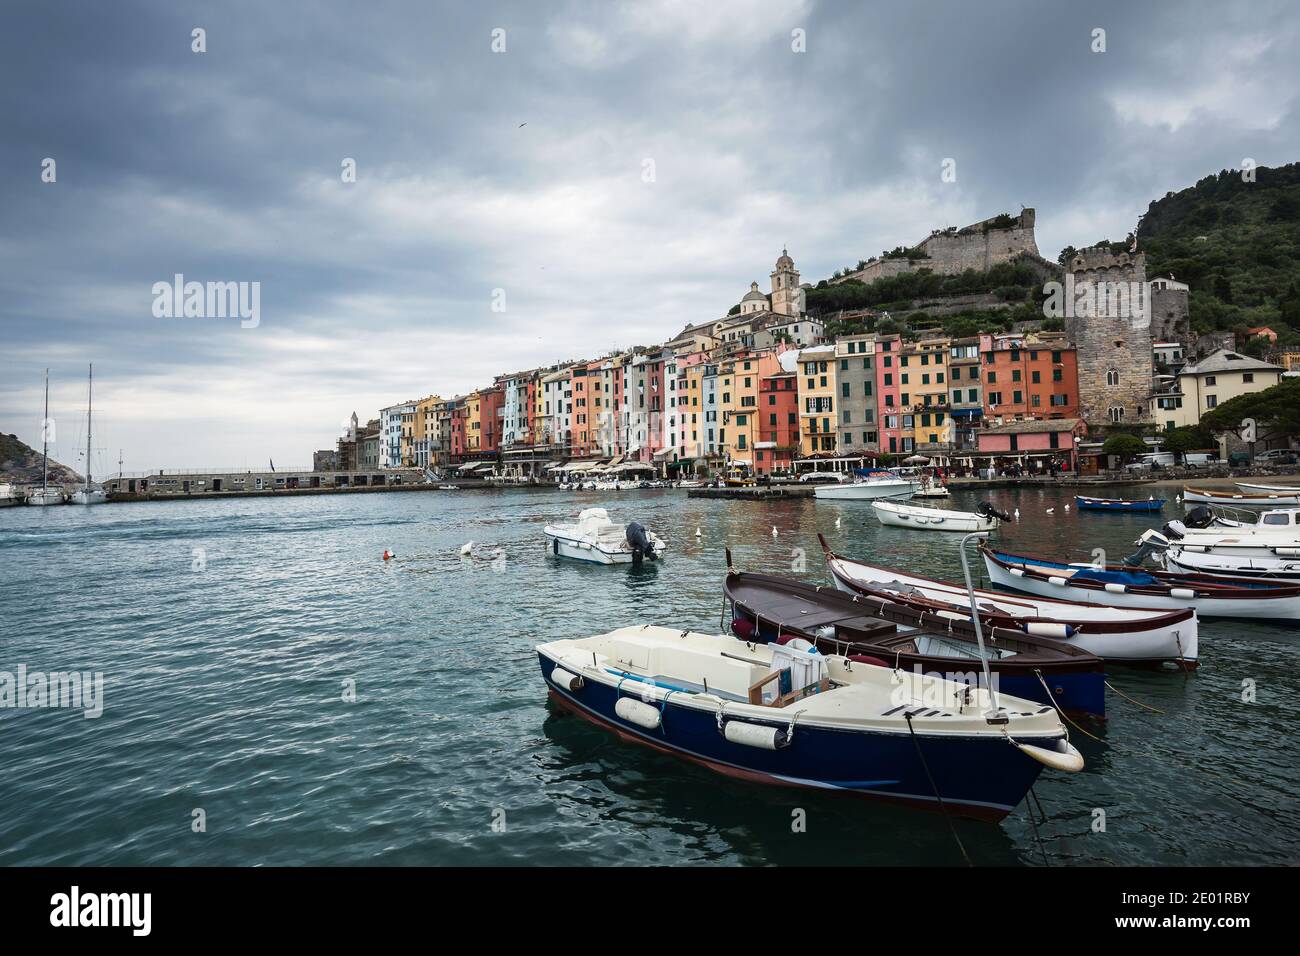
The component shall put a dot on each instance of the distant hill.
(21, 464)
(1237, 244)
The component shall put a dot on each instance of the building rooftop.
(1226, 361)
(1034, 427)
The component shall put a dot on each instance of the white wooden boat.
(932, 489)
(785, 714)
(1138, 636)
(1121, 586)
(880, 487)
(1268, 489)
(900, 515)
(1209, 496)
(594, 537)
(1271, 568)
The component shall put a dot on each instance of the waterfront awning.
(664, 453)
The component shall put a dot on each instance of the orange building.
(1029, 376)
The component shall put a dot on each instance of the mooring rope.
(1132, 701)
(942, 806)
(1050, 696)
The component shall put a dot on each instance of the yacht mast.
(90, 391)
(45, 439)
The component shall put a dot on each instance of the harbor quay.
(166, 485)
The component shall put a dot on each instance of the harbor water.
(275, 693)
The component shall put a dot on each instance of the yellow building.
(923, 387)
(739, 379)
(473, 423)
(817, 390)
(1209, 383)
(424, 432)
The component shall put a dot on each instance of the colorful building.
(889, 411)
(859, 429)
(1030, 376)
(778, 441)
(817, 390)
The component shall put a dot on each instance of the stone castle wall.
(1111, 345)
(953, 251)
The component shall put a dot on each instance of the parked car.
(1238, 459)
(822, 476)
(1278, 455)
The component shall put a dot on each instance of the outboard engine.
(639, 541)
(988, 511)
(1199, 517)
(1175, 529)
(1151, 543)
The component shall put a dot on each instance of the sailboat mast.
(45, 438)
(90, 396)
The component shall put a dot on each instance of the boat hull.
(865, 490)
(1111, 504)
(564, 547)
(980, 778)
(1267, 489)
(933, 519)
(1201, 497)
(1282, 610)
(44, 499)
(92, 497)
(1186, 562)
(1076, 688)
(1147, 641)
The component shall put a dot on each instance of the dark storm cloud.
(225, 166)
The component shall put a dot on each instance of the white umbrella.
(916, 460)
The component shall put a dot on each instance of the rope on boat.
(1039, 674)
(942, 806)
(1178, 638)
(1132, 701)
(1029, 806)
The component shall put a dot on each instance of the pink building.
(1034, 442)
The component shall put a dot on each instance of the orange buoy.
(388, 555)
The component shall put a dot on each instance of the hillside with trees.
(1237, 244)
(21, 464)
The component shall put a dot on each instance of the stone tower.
(1108, 317)
(1170, 316)
(787, 296)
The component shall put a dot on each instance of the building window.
(1116, 413)
(1211, 401)
(1112, 377)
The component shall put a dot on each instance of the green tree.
(1185, 439)
(1275, 409)
(1126, 446)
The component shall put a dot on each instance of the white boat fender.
(1287, 552)
(1065, 757)
(638, 712)
(754, 735)
(1114, 588)
(1048, 629)
(1058, 581)
(1017, 572)
(1184, 594)
(566, 680)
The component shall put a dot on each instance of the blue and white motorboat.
(786, 714)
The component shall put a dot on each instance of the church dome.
(785, 263)
(753, 294)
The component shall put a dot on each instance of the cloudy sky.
(619, 170)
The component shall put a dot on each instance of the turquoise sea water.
(225, 670)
